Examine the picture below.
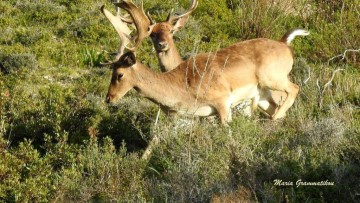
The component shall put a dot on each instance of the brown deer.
(161, 33)
(162, 37)
(169, 57)
(211, 83)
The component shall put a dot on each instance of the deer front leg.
(224, 111)
(249, 110)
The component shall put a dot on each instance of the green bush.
(14, 62)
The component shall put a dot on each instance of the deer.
(208, 83)
(162, 37)
(168, 56)
(161, 33)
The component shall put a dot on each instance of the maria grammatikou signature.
(298, 183)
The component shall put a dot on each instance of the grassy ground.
(60, 142)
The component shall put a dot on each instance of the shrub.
(14, 62)
(102, 174)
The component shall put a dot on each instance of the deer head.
(122, 77)
(162, 33)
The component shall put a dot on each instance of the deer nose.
(163, 45)
(108, 99)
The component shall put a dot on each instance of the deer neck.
(169, 59)
(161, 88)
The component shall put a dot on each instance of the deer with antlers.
(209, 83)
(161, 33)
(162, 36)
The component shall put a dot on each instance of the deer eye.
(119, 76)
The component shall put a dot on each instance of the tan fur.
(167, 53)
(213, 82)
(162, 37)
(169, 58)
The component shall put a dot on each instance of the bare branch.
(332, 78)
(322, 90)
(157, 117)
(318, 85)
(154, 141)
(308, 78)
(343, 55)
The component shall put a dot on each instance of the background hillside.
(60, 142)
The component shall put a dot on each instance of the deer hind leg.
(291, 90)
(266, 103)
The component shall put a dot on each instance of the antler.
(171, 18)
(121, 28)
(142, 21)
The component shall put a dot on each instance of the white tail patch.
(288, 37)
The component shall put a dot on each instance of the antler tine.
(152, 22)
(117, 8)
(193, 6)
(121, 28)
(143, 22)
(126, 19)
(170, 15)
(118, 13)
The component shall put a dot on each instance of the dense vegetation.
(60, 142)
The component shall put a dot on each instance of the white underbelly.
(236, 97)
(199, 111)
(243, 93)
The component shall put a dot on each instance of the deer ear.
(127, 60)
(180, 23)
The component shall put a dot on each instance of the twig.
(318, 84)
(322, 90)
(157, 117)
(343, 56)
(308, 78)
(211, 57)
(154, 141)
(332, 78)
